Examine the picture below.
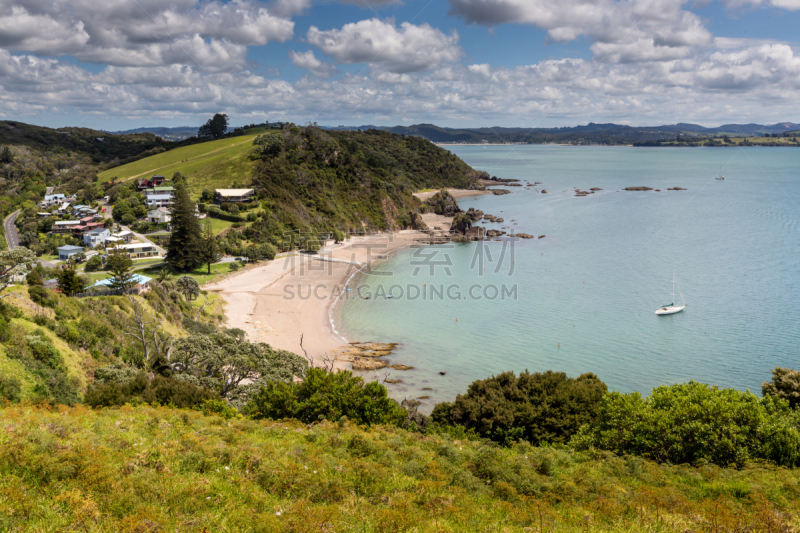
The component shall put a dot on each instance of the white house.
(159, 215)
(234, 195)
(52, 199)
(96, 236)
(159, 200)
(137, 250)
(126, 236)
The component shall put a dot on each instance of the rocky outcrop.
(500, 192)
(676, 189)
(495, 233)
(541, 236)
(398, 366)
(474, 214)
(360, 363)
(544, 191)
(595, 189)
(475, 233)
(489, 217)
(524, 236)
(417, 223)
(442, 203)
(638, 188)
(498, 220)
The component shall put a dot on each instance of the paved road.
(12, 235)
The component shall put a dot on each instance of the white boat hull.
(670, 309)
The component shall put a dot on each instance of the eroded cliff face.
(441, 203)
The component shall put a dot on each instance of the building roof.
(97, 231)
(233, 192)
(67, 222)
(70, 248)
(160, 209)
(159, 197)
(135, 245)
(138, 279)
(54, 197)
(164, 188)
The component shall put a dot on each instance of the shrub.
(41, 296)
(94, 263)
(693, 422)
(785, 384)
(161, 390)
(327, 396)
(10, 388)
(539, 408)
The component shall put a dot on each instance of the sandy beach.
(291, 296)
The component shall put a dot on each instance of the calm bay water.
(594, 282)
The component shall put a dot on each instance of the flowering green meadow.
(149, 469)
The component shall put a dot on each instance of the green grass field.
(154, 469)
(214, 164)
(200, 273)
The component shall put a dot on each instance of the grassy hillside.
(159, 469)
(207, 165)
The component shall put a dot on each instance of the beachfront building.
(137, 250)
(159, 215)
(96, 236)
(140, 284)
(64, 227)
(164, 189)
(67, 251)
(234, 195)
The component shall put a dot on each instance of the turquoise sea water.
(594, 282)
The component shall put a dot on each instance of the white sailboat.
(671, 309)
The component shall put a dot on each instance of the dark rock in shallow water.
(676, 189)
(499, 192)
(495, 233)
(638, 188)
(544, 191)
(474, 214)
(541, 236)
(595, 189)
(524, 236)
(498, 220)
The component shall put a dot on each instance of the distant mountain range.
(613, 133)
(604, 133)
(170, 134)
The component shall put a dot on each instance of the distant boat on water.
(671, 309)
(721, 177)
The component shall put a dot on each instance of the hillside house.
(67, 251)
(155, 181)
(52, 199)
(126, 236)
(96, 236)
(141, 284)
(83, 228)
(160, 215)
(139, 250)
(165, 189)
(234, 195)
(64, 227)
(159, 200)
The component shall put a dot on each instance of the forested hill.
(350, 179)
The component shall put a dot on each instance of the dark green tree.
(183, 250)
(69, 280)
(215, 127)
(119, 264)
(327, 396)
(7, 156)
(209, 247)
(541, 408)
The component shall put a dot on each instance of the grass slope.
(211, 165)
(158, 469)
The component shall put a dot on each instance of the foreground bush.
(140, 389)
(539, 408)
(327, 396)
(785, 384)
(147, 470)
(693, 422)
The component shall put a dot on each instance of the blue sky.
(122, 64)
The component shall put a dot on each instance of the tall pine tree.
(209, 248)
(183, 250)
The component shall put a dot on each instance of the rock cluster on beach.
(474, 214)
